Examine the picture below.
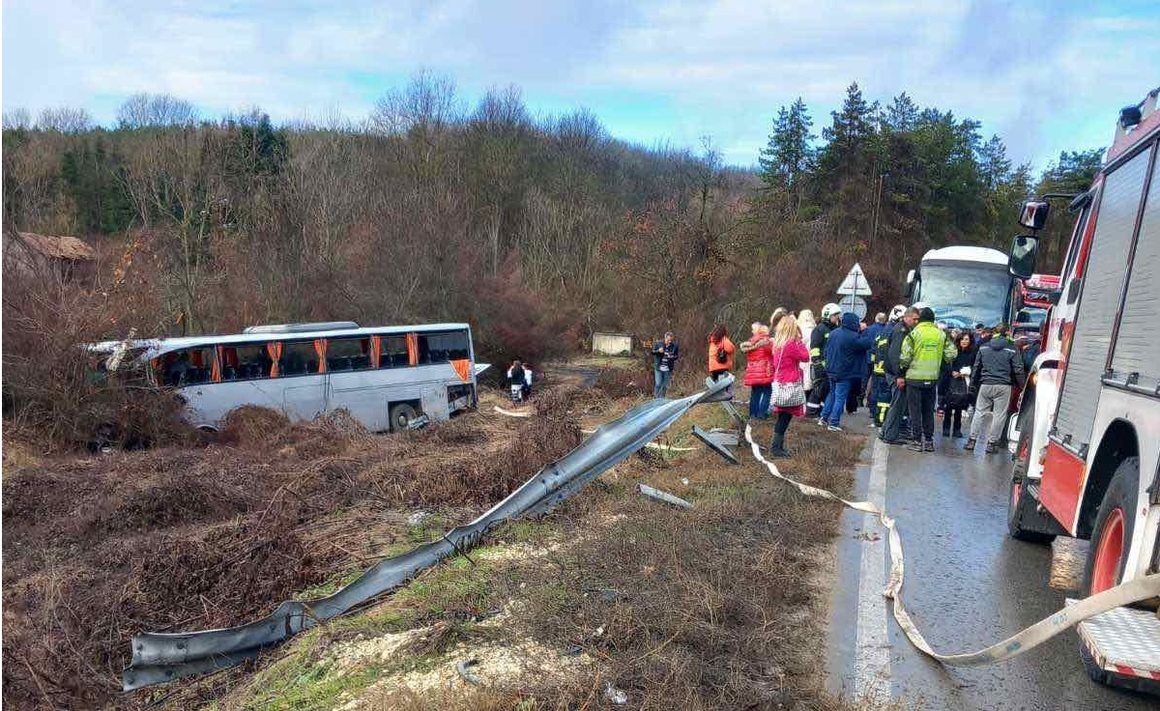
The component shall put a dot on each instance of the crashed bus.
(1086, 442)
(387, 377)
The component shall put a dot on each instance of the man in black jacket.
(997, 368)
(892, 424)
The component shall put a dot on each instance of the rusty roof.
(58, 246)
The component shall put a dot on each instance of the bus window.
(298, 358)
(394, 352)
(442, 347)
(247, 362)
(190, 366)
(348, 354)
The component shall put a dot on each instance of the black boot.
(777, 450)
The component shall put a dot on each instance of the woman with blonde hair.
(788, 395)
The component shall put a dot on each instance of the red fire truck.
(1087, 437)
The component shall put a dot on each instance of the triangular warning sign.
(855, 282)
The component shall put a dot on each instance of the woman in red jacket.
(758, 374)
(787, 353)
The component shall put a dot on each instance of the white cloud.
(1034, 74)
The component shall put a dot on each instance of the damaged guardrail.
(160, 657)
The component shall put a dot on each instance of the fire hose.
(1134, 591)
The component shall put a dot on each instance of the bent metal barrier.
(159, 657)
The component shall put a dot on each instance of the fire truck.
(1030, 300)
(1086, 442)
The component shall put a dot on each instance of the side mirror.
(1033, 214)
(1021, 262)
(908, 288)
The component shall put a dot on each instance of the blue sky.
(1046, 76)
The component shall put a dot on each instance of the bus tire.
(401, 415)
(1022, 510)
(1112, 533)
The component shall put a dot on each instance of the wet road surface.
(968, 585)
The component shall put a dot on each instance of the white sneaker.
(834, 428)
(821, 422)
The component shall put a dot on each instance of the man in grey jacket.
(997, 368)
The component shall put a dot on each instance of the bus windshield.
(963, 295)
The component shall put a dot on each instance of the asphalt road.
(967, 586)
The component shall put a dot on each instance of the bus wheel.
(1112, 534)
(401, 416)
(1021, 508)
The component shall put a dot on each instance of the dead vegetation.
(191, 537)
(710, 608)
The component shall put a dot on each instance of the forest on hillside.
(537, 230)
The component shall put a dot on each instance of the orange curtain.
(195, 358)
(274, 350)
(215, 373)
(376, 351)
(462, 369)
(320, 349)
(412, 349)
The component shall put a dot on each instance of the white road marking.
(871, 643)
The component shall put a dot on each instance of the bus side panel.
(303, 398)
(1062, 484)
(1099, 303)
(209, 403)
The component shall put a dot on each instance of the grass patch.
(458, 587)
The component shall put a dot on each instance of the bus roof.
(962, 253)
(161, 346)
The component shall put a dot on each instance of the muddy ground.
(613, 596)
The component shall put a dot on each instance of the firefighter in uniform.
(881, 385)
(820, 388)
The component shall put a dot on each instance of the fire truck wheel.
(1112, 533)
(1022, 510)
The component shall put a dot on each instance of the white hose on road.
(1139, 589)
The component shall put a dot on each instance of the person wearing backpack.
(925, 351)
(997, 368)
(721, 351)
(758, 371)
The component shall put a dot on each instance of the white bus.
(385, 376)
(964, 285)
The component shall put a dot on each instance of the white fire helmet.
(830, 309)
(896, 312)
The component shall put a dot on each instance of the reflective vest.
(924, 350)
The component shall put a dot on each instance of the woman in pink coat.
(758, 374)
(787, 352)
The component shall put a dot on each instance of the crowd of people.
(903, 366)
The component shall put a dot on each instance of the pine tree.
(788, 157)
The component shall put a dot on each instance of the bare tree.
(17, 118)
(64, 119)
(156, 110)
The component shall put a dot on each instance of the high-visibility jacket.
(924, 351)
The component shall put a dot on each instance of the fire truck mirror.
(1033, 214)
(1022, 259)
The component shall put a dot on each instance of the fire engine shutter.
(1103, 282)
(1137, 341)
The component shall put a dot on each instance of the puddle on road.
(1067, 561)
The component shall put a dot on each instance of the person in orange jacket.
(721, 351)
